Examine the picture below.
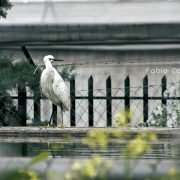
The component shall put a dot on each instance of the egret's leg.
(62, 114)
(60, 119)
(49, 123)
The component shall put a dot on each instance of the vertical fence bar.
(36, 98)
(73, 102)
(164, 87)
(145, 99)
(109, 101)
(54, 110)
(22, 105)
(90, 101)
(3, 110)
(164, 100)
(127, 97)
(37, 101)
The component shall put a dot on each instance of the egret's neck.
(48, 65)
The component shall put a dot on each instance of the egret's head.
(50, 58)
(47, 61)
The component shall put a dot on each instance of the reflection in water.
(167, 150)
(24, 149)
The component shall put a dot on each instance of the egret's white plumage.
(53, 86)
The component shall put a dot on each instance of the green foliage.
(173, 174)
(95, 168)
(24, 73)
(20, 74)
(159, 117)
(101, 139)
(8, 112)
(167, 115)
(134, 149)
(67, 72)
(123, 118)
(4, 6)
(21, 174)
(140, 145)
(7, 74)
(12, 75)
(42, 156)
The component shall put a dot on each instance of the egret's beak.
(52, 60)
(58, 59)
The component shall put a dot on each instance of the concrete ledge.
(61, 166)
(22, 132)
(40, 34)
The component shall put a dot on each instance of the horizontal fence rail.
(89, 115)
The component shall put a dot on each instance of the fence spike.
(164, 87)
(127, 97)
(73, 102)
(127, 92)
(145, 99)
(164, 84)
(108, 78)
(109, 101)
(90, 101)
(22, 103)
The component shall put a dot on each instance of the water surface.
(164, 149)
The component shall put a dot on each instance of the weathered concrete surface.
(105, 44)
(61, 166)
(117, 11)
(98, 27)
(89, 34)
(80, 132)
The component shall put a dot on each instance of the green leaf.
(41, 157)
(4, 6)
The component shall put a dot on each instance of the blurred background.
(119, 38)
(93, 11)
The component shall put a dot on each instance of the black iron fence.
(91, 107)
(126, 98)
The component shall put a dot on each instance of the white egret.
(53, 86)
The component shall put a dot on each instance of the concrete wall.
(100, 50)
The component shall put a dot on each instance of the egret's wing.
(61, 91)
(46, 83)
(43, 83)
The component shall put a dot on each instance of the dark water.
(166, 149)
